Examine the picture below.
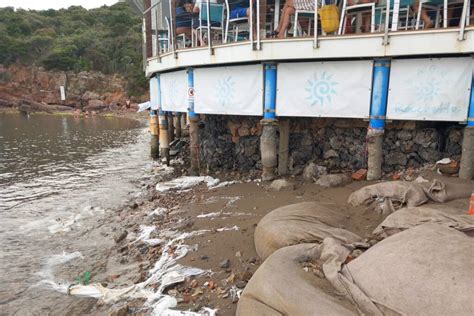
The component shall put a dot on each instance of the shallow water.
(57, 173)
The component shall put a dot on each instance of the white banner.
(430, 89)
(235, 90)
(154, 94)
(174, 91)
(324, 89)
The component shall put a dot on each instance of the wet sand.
(116, 260)
(241, 205)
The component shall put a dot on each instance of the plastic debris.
(145, 232)
(144, 106)
(221, 213)
(227, 228)
(184, 183)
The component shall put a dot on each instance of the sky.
(54, 4)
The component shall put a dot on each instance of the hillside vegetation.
(106, 39)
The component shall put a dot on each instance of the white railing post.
(144, 43)
(462, 23)
(387, 17)
(157, 36)
(251, 24)
(258, 24)
(209, 35)
(396, 15)
(315, 39)
(445, 14)
(172, 42)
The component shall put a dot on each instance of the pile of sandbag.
(306, 222)
(281, 286)
(424, 270)
(386, 197)
(423, 266)
(408, 217)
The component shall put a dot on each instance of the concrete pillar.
(283, 148)
(268, 140)
(466, 170)
(164, 139)
(170, 118)
(177, 125)
(193, 126)
(378, 110)
(154, 131)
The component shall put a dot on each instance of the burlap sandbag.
(386, 197)
(280, 286)
(443, 192)
(307, 222)
(413, 216)
(425, 270)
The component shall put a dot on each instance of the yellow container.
(329, 18)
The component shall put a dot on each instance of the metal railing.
(311, 21)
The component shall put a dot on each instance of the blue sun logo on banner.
(225, 90)
(320, 89)
(428, 83)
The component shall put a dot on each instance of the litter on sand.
(184, 183)
(165, 272)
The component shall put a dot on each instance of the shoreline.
(219, 225)
(131, 114)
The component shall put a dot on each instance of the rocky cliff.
(30, 88)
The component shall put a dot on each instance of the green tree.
(106, 39)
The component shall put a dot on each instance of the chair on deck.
(216, 12)
(356, 9)
(304, 14)
(180, 39)
(437, 6)
(400, 19)
(235, 23)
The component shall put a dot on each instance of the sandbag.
(425, 270)
(413, 216)
(444, 192)
(307, 222)
(386, 197)
(280, 286)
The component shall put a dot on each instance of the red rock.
(359, 175)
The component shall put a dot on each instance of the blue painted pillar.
(466, 169)
(191, 112)
(378, 108)
(378, 111)
(270, 92)
(470, 114)
(193, 126)
(268, 139)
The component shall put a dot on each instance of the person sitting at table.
(184, 10)
(288, 11)
(196, 24)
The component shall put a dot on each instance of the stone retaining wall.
(232, 143)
